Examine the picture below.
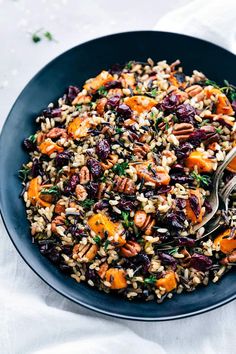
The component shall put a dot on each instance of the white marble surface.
(34, 318)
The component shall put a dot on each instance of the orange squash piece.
(34, 193)
(152, 173)
(47, 147)
(103, 226)
(100, 80)
(197, 158)
(79, 127)
(116, 277)
(223, 106)
(168, 282)
(140, 103)
(173, 80)
(189, 211)
(227, 245)
(82, 99)
(232, 165)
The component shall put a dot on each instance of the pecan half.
(56, 133)
(194, 90)
(84, 175)
(144, 221)
(182, 131)
(80, 192)
(141, 150)
(101, 105)
(102, 270)
(84, 253)
(231, 258)
(58, 221)
(130, 249)
(124, 185)
(110, 162)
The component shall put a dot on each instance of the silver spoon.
(214, 197)
(224, 199)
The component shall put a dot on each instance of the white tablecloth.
(33, 317)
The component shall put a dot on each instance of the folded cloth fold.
(213, 20)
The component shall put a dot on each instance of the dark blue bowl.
(73, 68)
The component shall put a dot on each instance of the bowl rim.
(12, 233)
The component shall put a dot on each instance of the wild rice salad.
(121, 170)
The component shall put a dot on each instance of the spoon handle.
(219, 172)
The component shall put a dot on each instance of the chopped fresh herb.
(102, 91)
(175, 119)
(120, 168)
(35, 37)
(106, 244)
(49, 36)
(138, 89)
(150, 280)
(154, 92)
(119, 130)
(24, 172)
(219, 130)
(97, 239)
(87, 203)
(103, 179)
(204, 122)
(53, 190)
(203, 180)
(78, 107)
(38, 35)
(32, 138)
(173, 250)
(128, 66)
(212, 83)
(167, 125)
(157, 122)
(126, 222)
(149, 167)
(152, 114)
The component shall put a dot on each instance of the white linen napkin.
(34, 319)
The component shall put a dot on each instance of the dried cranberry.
(62, 159)
(52, 112)
(37, 168)
(181, 179)
(186, 241)
(180, 203)
(113, 101)
(116, 69)
(29, 145)
(71, 184)
(170, 102)
(126, 205)
(200, 262)
(167, 259)
(185, 113)
(72, 92)
(178, 168)
(162, 189)
(103, 149)
(207, 206)
(101, 205)
(142, 260)
(175, 220)
(194, 204)
(124, 111)
(113, 84)
(183, 150)
(94, 167)
(92, 189)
